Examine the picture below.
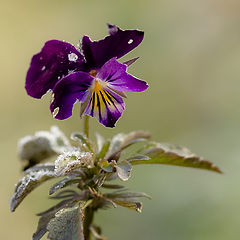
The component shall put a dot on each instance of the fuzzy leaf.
(122, 141)
(83, 140)
(66, 225)
(72, 160)
(47, 215)
(130, 137)
(27, 184)
(41, 166)
(42, 225)
(124, 170)
(100, 142)
(115, 144)
(174, 155)
(69, 180)
(42, 145)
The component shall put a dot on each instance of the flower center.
(93, 73)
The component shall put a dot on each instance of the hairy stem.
(88, 219)
(86, 126)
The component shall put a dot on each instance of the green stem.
(88, 219)
(86, 126)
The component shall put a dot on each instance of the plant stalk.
(86, 126)
(88, 219)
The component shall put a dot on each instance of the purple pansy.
(92, 75)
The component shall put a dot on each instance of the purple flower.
(92, 75)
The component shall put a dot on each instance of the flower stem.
(86, 126)
(88, 219)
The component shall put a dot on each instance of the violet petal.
(106, 106)
(47, 67)
(117, 44)
(67, 91)
(114, 73)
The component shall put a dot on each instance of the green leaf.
(122, 141)
(125, 196)
(66, 225)
(138, 158)
(69, 180)
(81, 138)
(96, 232)
(42, 225)
(137, 206)
(115, 144)
(104, 150)
(28, 183)
(123, 169)
(174, 155)
(106, 166)
(42, 145)
(133, 136)
(113, 186)
(41, 166)
(47, 215)
(72, 160)
(100, 142)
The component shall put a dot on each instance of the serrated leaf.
(123, 141)
(66, 225)
(72, 160)
(174, 155)
(42, 145)
(124, 170)
(69, 180)
(27, 184)
(130, 137)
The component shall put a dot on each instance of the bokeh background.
(190, 57)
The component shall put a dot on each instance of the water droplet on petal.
(72, 57)
(130, 41)
(43, 68)
(55, 112)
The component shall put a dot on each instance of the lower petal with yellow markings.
(104, 104)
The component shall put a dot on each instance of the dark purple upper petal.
(69, 89)
(54, 61)
(114, 73)
(117, 44)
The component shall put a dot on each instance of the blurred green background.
(190, 57)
